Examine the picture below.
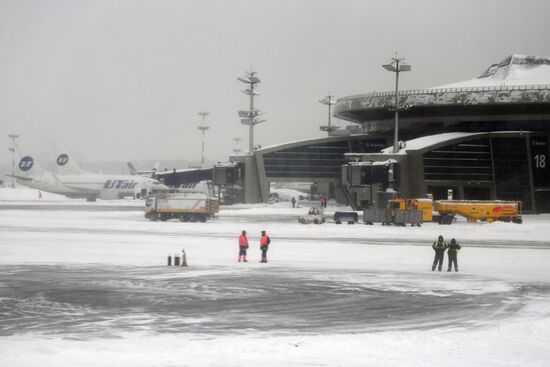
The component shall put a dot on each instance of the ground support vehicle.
(398, 217)
(345, 217)
(474, 210)
(187, 207)
(375, 215)
(315, 216)
(423, 205)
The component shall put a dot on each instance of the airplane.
(86, 185)
(149, 173)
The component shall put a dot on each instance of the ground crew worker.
(293, 201)
(439, 247)
(243, 245)
(264, 245)
(323, 200)
(454, 247)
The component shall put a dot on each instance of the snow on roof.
(308, 141)
(426, 141)
(179, 170)
(387, 162)
(513, 70)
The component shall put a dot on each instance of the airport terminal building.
(486, 138)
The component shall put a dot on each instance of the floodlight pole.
(12, 150)
(396, 124)
(328, 101)
(397, 65)
(251, 125)
(203, 128)
(250, 117)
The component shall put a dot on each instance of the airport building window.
(317, 160)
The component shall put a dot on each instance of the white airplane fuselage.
(82, 184)
(107, 187)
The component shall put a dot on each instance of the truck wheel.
(351, 222)
(155, 217)
(301, 221)
(192, 218)
(338, 222)
(517, 220)
(316, 221)
(202, 218)
(446, 219)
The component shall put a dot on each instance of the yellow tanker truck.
(472, 210)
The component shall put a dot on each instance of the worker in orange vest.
(243, 245)
(264, 245)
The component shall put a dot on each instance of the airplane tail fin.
(65, 164)
(146, 173)
(27, 166)
(132, 169)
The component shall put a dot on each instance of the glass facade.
(323, 160)
(469, 161)
(514, 167)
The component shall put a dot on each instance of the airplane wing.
(22, 178)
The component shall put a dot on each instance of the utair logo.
(26, 163)
(62, 159)
(119, 184)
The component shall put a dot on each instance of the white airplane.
(85, 184)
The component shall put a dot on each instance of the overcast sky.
(125, 79)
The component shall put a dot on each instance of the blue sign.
(62, 159)
(26, 163)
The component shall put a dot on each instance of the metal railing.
(447, 90)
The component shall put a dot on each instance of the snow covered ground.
(83, 286)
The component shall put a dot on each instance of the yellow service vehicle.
(474, 210)
(424, 205)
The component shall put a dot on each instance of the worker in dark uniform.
(264, 245)
(293, 201)
(439, 247)
(454, 248)
(243, 245)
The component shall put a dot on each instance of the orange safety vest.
(243, 241)
(263, 240)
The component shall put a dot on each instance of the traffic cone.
(183, 258)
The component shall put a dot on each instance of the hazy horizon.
(124, 80)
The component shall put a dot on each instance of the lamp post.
(237, 150)
(397, 65)
(250, 117)
(328, 101)
(203, 128)
(12, 150)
